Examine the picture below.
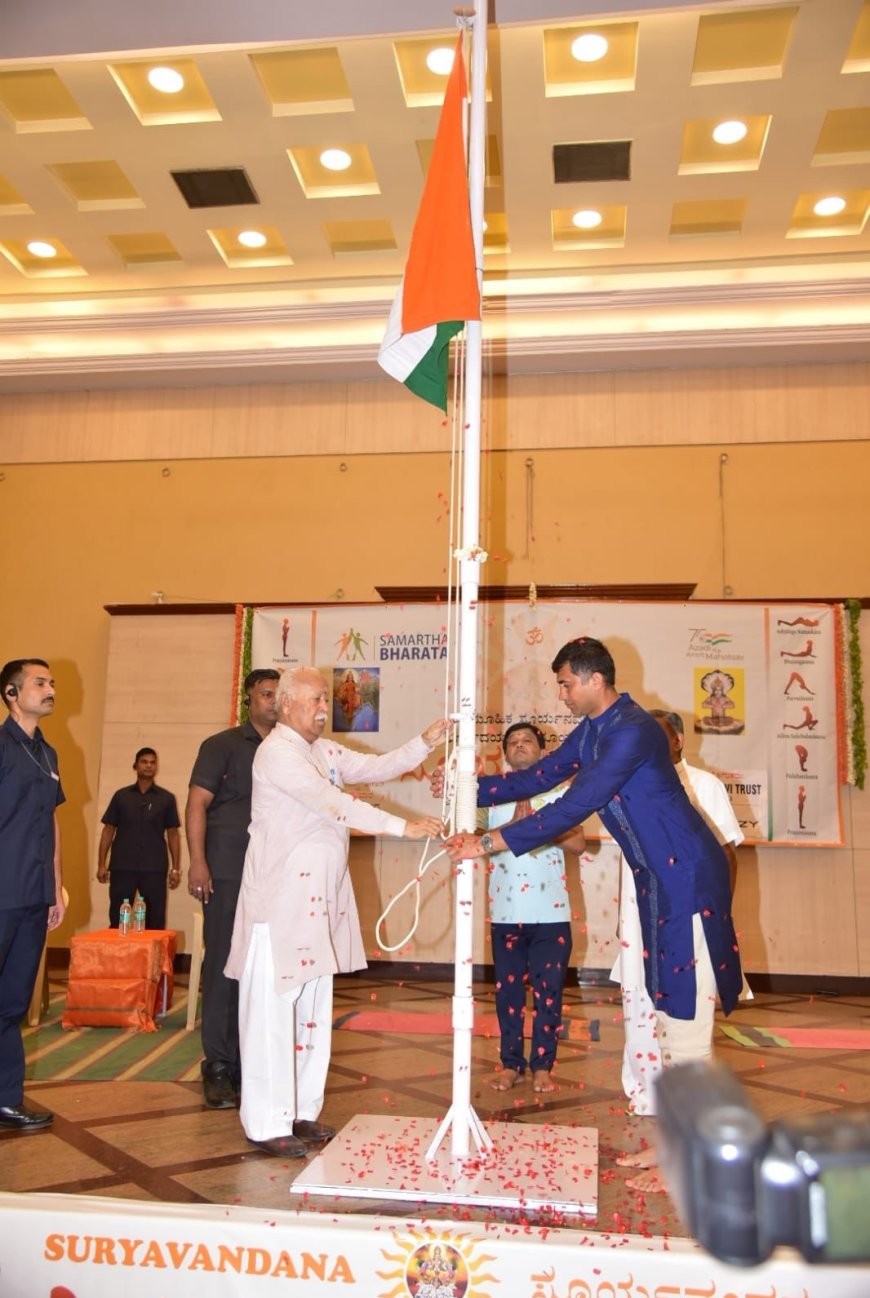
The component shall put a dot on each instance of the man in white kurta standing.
(296, 922)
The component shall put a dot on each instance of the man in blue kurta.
(618, 764)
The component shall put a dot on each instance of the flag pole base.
(530, 1166)
(470, 1123)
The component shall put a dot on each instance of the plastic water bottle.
(125, 917)
(139, 914)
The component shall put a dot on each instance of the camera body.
(742, 1187)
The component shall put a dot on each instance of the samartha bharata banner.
(755, 685)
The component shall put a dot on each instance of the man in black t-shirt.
(216, 823)
(140, 823)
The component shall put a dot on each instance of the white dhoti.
(682, 1040)
(641, 1055)
(285, 1042)
(654, 1040)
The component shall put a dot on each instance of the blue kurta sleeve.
(620, 752)
(554, 769)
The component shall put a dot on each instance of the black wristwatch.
(486, 843)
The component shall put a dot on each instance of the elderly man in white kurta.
(642, 1055)
(296, 922)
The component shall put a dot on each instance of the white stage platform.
(541, 1167)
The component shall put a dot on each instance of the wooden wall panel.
(630, 408)
(543, 410)
(160, 423)
(281, 419)
(812, 402)
(168, 683)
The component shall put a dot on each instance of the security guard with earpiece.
(31, 897)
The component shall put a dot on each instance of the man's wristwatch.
(486, 843)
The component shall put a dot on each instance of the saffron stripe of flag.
(439, 291)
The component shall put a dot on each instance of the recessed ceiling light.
(730, 132)
(335, 159)
(166, 80)
(252, 239)
(590, 47)
(440, 61)
(38, 248)
(829, 206)
(587, 219)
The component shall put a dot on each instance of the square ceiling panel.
(216, 187)
(422, 87)
(569, 237)
(96, 186)
(702, 218)
(37, 100)
(806, 224)
(353, 238)
(844, 138)
(61, 264)
(495, 233)
(858, 54)
(297, 82)
(191, 103)
(591, 161)
(11, 202)
(319, 181)
(147, 249)
(565, 74)
(269, 249)
(701, 155)
(747, 46)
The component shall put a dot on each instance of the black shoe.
(281, 1146)
(17, 1118)
(218, 1090)
(315, 1132)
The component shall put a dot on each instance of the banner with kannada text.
(61, 1246)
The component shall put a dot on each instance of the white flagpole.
(461, 1118)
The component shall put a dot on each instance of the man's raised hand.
(433, 735)
(425, 827)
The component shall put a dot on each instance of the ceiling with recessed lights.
(212, 192)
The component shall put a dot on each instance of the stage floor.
(152, 1140)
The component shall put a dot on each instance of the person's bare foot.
(504, 1080)
(648, 1181)
(542, 1081)
(642, 1159)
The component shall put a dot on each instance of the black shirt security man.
(216, 823)
(140, 823)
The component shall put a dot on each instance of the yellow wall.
(302, 527)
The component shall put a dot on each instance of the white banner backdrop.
(59, 1246)
(756, 686)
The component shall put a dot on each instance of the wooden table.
(119, 980)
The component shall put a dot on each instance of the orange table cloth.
(119, 980)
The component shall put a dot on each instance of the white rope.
(451, 658)
(448, 816)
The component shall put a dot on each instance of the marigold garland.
(244, 660)
(858, 733)
(845, 750)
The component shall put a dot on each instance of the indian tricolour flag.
(440, 291)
